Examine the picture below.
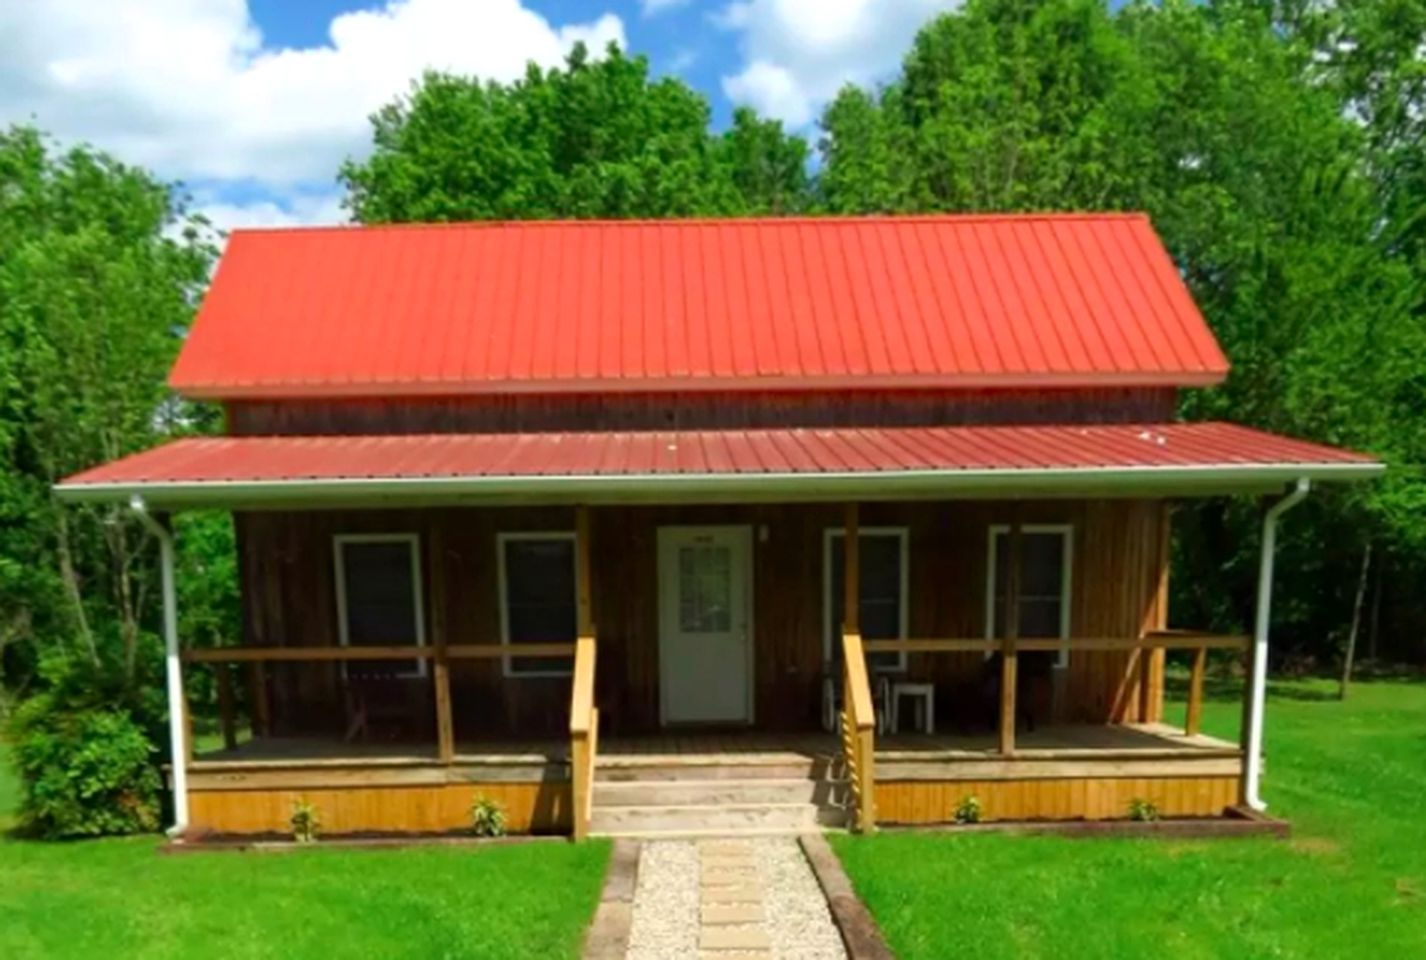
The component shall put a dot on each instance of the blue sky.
(253, 104)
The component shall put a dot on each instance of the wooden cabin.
(705, 526)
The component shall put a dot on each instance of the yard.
(119, 898)
(1352, 881)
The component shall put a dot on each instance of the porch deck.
(1140, 741)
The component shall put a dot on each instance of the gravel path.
(733, 898)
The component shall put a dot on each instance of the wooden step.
(679, 792)
(662, 768)
(729, 818)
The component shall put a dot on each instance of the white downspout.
(177, 734)
(1258, 690)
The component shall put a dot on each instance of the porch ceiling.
(1180, 459)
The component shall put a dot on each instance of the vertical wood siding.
(1119, 570)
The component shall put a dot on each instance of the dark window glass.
(381, 600)
(540, 600)
(880, 595)
(1042, 573)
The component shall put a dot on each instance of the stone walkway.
(734, 899)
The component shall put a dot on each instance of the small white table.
(925, 693)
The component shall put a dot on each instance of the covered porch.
(1002, 587)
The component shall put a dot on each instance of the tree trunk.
(71, 584)
(1356, 623)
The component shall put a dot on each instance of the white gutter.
(1217, 478)
(1258, 682)
(177, 733)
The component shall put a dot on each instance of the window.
(379, 595)
(537, 599)
(1044, 606)
(883, 592)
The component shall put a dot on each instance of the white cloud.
(187, 88)
(302, 209)
(798, 53)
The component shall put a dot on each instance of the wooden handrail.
(470, 651)
(1158, 640)
(858, 731)
(584, 736)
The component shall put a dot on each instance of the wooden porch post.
(851, 571)
(1009, 665)
(225, 705)
(583, 715)
(440, 664)
(1194, 718)
(584, 604)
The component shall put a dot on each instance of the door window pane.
(880, 594)
(705, 588)
(540, 599)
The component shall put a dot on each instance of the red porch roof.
(787, 463)
(950, 301)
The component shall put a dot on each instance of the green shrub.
(85, 773)
(487, 818)
(306, 821)
(968, 810)
(1143, 810)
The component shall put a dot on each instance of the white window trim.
(501, 539)
(903, 534)
(413, 542)
(1066, 532)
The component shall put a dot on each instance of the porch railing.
(858, 722)
(583, 737)
(1198, 642)
(223, 658)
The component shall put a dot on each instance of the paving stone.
(732, 893)
(734, 938)
(719, 876)
(733, 860)
(719, 913)
(736, 955)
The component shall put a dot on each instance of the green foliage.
(1144, 811)
(86, 772)
(487, 818)
(306, 821)
(968, 810)
(596, 138)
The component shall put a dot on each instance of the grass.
(119, 898)
(1351, 883)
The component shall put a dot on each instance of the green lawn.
(1351, 883)
(118, 898)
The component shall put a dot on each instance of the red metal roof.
(752, 454)
(1004, 300)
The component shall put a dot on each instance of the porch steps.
(690, 796)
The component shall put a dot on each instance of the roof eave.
(1192, 481)
(298, 390)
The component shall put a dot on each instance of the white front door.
(705, 601)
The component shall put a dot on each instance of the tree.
(99, 269)
(596, 138)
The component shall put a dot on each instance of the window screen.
(881, 596)
(539, 600)
(380, 600)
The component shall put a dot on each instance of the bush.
(968, 810)
(85, 773)
(1145, 811)
(306, 821)
(487, 818)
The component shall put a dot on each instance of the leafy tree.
(596, 138)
